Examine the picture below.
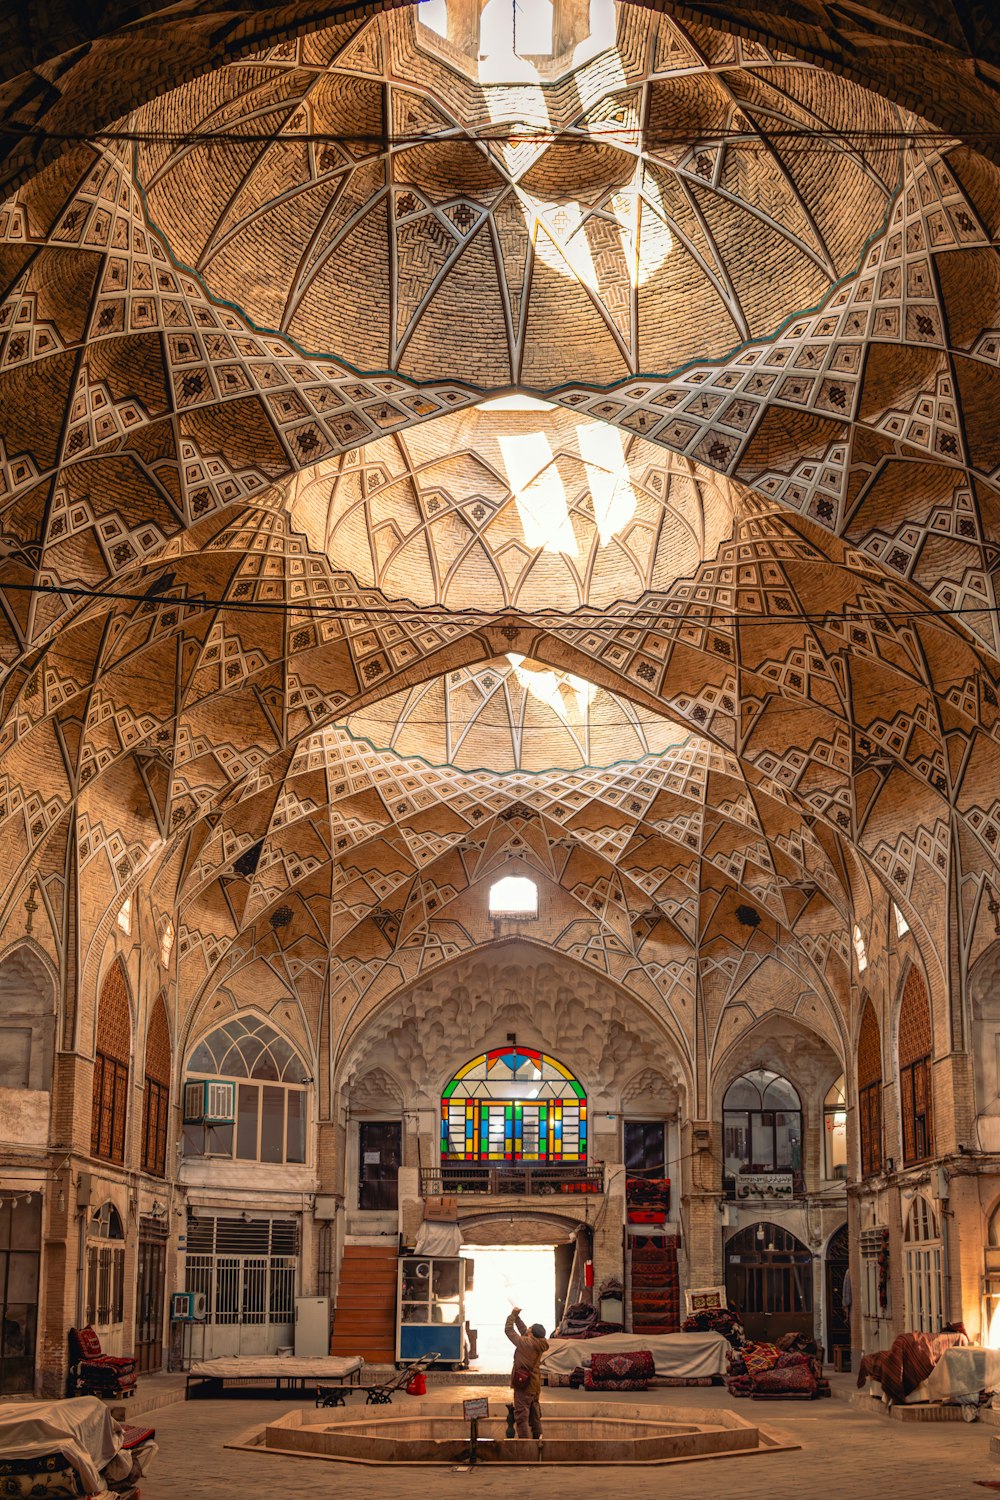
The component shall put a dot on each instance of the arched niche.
(27, 1020)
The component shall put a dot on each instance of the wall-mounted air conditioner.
(188, 1307)
(207, 1102)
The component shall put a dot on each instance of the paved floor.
(845, 1455)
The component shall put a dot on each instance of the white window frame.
(922, 1268)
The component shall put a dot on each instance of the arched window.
(105, 1306)
(514, 896)
(761, 1133)
(915, 1096)
(835, 1130)
(27, 1021)
(514, 1105)
(870, 1092)
(111, 1068)
(922, 1268)
(156, 1092)
(245, 1095)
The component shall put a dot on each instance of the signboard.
(765, 1185)
(705, 1299)
(373, 1158)
(478, 1406)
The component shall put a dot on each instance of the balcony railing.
(513, 1179)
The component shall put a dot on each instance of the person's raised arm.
(515, 1321)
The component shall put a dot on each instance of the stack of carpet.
(656, 1293)
(724, 1320)
(792, 1369)
(582, 1321)
(619, 1372)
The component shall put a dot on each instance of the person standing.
(526, 1376)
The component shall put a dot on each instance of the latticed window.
(156, 1094)
(762, 1130)
(111, 1068)
(105, 1305)
(514, 1104)
(922, 1268)
(870, 1092)
(915, 1100)
(244, 1095)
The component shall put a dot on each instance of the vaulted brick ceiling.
(719, 613)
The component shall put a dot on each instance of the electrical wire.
(497, 135)
(587, 618)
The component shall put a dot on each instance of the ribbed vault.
(709, 623)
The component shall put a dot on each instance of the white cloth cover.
(688, 1356)
(960, 1372)
(438, 1239)
(269, 1366)
(82, 1429)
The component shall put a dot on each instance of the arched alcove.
(27, 1020)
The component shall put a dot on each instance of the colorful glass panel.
(514, 1105)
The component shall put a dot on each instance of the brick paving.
(845, 1455)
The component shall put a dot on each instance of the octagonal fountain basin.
(436, 1432)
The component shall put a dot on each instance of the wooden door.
(769, 1279)
(380, 1145)
(838, 1324)
(150, 1290)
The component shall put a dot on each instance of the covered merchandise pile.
(723, 1320)
(583, 1321)
(909, 1361)
(790, 1368)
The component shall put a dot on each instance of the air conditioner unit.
(188, 1307)
(208, 1102)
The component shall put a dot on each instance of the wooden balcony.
(510, 1179)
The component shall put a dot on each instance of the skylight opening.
(902, 925)
(125, 916)
(514, 896)
(860, 950)
(515, 401)
(167, 943)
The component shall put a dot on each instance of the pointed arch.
(112, 1056)
(870, 1091)
(914, 1049)
(156, 1092)
(27, 1018)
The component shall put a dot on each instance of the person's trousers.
(527, 1414)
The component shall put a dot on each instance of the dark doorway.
(769, 1278)
(644, 1146)
(838, 1324)
(149, 1295)
(20, 1250)
(380, 1144)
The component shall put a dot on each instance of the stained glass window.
(514, 1105)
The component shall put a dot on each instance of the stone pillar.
(463, 25)
(411, 1206)
(609, 1232)
(570, 24)
(700, 1199)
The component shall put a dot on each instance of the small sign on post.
(476, 1407)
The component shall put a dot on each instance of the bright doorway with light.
(508, 1276)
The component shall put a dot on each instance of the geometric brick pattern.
(323, 567)
(914, 1020)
